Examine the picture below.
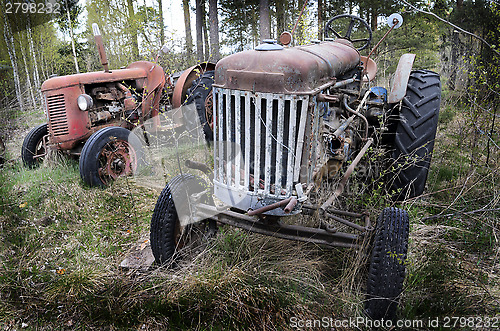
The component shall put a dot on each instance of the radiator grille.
(57, 115)
(259, 141)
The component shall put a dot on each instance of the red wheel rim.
(209, 110)
(117, 158)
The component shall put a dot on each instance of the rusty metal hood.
(295, 70)
(136, 70)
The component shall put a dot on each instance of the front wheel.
(34, 149)
(173, 229)
(387, 264)
(110, 153)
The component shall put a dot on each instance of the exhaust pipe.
(100, 46)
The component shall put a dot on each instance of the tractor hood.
(272, 68)
(136, 70)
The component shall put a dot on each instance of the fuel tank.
(272, 68)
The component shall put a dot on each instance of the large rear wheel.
(201, 94)
(415, 133)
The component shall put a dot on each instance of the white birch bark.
(36, 74)
(29, 86)
(72, 38)
(9, 40)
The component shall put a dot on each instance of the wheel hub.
(117, 159)
(209, 110)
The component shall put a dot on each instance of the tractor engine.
(270, 118)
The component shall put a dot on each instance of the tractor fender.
(186, 79)
(401, 76)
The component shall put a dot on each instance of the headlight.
(84, 101)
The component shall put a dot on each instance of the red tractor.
(90, 115)
(292, 120)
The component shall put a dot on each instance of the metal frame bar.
(284, 231)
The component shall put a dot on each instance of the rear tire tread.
(387, 265)
(30, 142)
(415, 133)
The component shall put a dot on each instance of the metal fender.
(186, 79)
(399, 85)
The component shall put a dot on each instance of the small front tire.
(167, 235)
(387, 264)
(34, 149)
(110, 153)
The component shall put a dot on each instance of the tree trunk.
(162, 25)
(199, 30)
(264, 22)
(133, 29)
(11, 49)
(70, 28)
(36, 76)
(29, 86)
(280, 17)
(455, 46)
(205, 33)
(299, 32)
(187, 27)
(320, 19)
(374, 18)
(214, 30)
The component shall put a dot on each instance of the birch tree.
(11, 49)
(36, 74)
(72, 37)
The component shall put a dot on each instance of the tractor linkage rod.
(343, 181)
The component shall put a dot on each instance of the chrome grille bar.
(279, 146)
(300, 141)
(229, 156)
(291, 137)
(247, 140)
(220, 122)
(256, 164)
(268, 106)
(238, 132)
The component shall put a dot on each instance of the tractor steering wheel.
(330, 31)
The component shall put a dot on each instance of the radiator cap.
(269, 45)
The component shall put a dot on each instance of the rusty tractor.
(91, 115)
(287, 120)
